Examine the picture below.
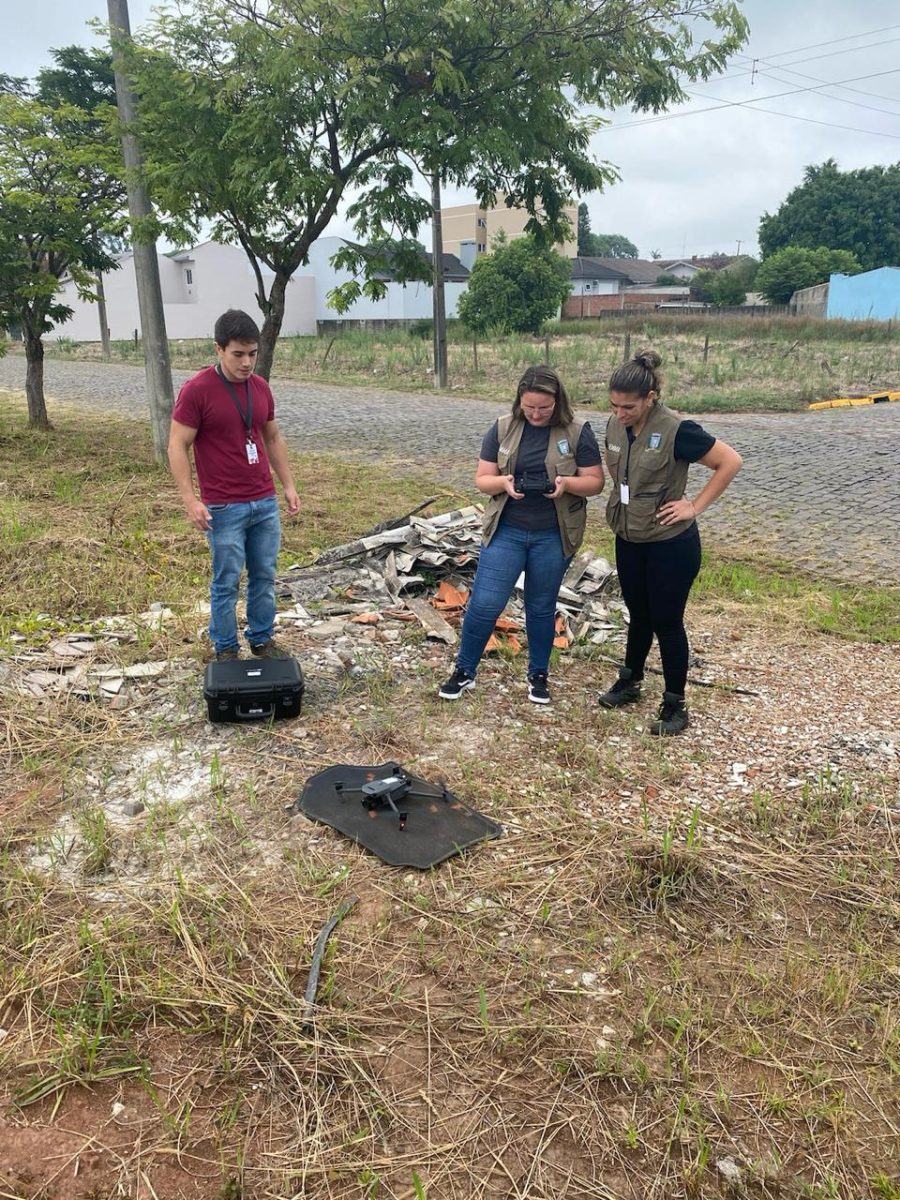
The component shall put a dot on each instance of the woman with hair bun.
(649, 450)
(538, 465)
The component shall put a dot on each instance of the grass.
(710, 364)
(605, 1003)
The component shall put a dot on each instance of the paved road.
(820, 490)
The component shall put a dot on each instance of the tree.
(601, 245)
(291, 105)
(516, 288)
(82, 78)
(857, 211)
(59, 193)
(721, 289)
(729, 291)
(613, 245)
(585, 237)
(787, 271)
(667, 280)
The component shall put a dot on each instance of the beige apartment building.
(470, 230)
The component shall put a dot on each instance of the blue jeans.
(537, 552)
(242, 535)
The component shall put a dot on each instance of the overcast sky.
(692, 182)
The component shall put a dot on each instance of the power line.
(823, 83)
(834, 41)
(816, 46)
(753, 103)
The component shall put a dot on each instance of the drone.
(403, 819)
(385, 793)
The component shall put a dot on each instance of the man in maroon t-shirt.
(226, 414)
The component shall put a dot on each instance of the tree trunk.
(439, 311)
(34, 382)
(101, 312)
(271, 326)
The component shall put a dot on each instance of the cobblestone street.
(820, 490)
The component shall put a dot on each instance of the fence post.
(706, 349)
(627, 355)
(475, 353)
(547, 350)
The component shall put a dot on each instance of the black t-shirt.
(691, 441)
(537, 512)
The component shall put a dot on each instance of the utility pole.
(146, 267)
(439, 311)
(739, 248)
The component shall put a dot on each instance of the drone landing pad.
(437, 826)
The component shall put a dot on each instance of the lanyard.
(246, 417)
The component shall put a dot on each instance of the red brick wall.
(588, 306)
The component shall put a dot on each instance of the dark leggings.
(656, 579)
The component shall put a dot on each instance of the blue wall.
(873, 296)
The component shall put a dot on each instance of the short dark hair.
(545, 379)
(639, 377)
(235, 326)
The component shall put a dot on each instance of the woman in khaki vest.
(538, 466)
(649, 450)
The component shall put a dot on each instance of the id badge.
(623, 492)
(252, 454)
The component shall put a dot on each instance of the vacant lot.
(710, 365)
(675, 975)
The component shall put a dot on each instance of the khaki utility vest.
(649, 467)
(571, 511)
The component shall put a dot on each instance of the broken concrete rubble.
(394, 571)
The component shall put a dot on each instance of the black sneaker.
(673, 716)
(538, 692)
(625, 690)
(460, 681)
(227, 655)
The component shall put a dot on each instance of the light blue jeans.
(537, 552)
(240, 535)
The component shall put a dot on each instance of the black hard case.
(253, 689)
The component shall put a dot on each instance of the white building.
(200, 283)
(197, 286)
(404, 302)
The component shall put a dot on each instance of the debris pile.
(421, 568)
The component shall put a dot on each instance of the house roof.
(629, 270)
(595, 268)
(454, 271)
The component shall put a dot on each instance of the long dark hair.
(639, 377)
(545, 379)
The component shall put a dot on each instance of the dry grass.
(651, 980)
(749, 364)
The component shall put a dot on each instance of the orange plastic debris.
(493, 643)
(371, 618)
(512, 643)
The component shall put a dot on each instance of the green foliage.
(60, 192)
(291, 105)
(788, 270)
(667, 280)
(721, 289)
(83, 78)
(857, 211)
(516, 288)
(601, 245)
